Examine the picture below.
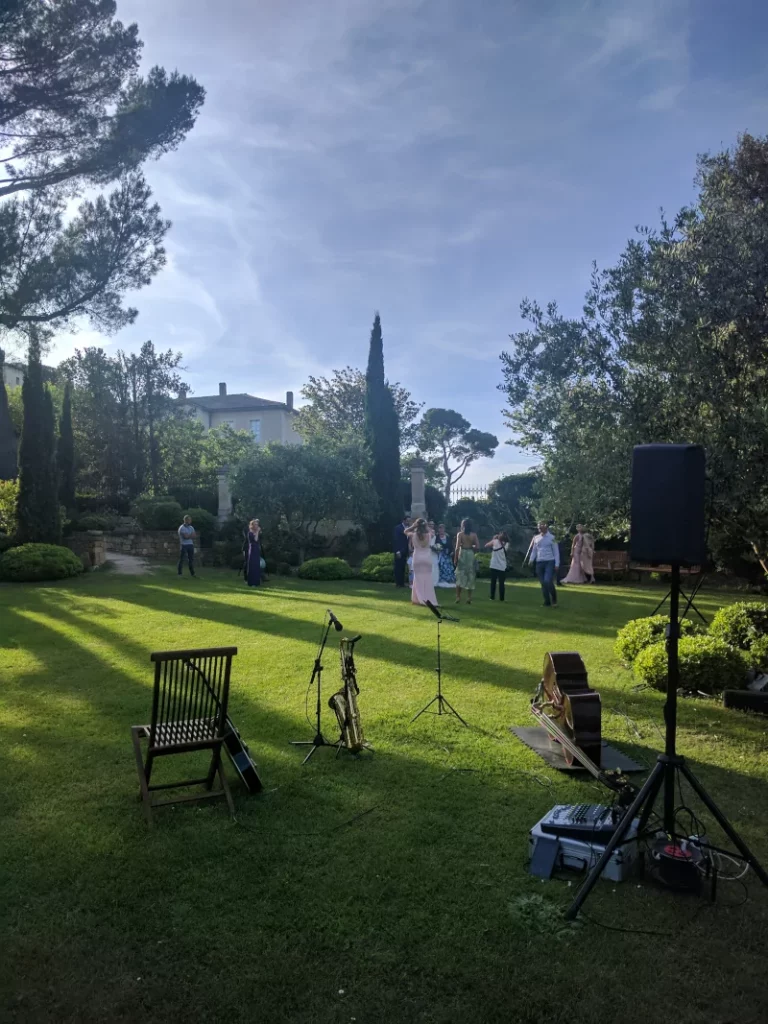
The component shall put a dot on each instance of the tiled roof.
(223, 403)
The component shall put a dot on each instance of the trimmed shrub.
(740, 625)
(706, 664)
(203, 522)
(641, 633)
(483, 561)
(158, 513)
(7, 541)
(379, 568)
(33, 562)
(326, 569)
(758, 654)
(106, 520)
(284, 569)
(9, 491)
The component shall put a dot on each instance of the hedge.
(35, 562)
(158, 514)
(641, 633)
(706, 664)
(379, 568)
(740, 625)
(326, 569)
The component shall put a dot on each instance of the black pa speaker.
(668, 504)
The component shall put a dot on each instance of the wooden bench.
(611, 562)
(640, 568)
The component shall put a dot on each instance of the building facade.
(265, 419)
(13, 375)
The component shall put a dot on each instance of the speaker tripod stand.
(689, 602)
(444, 707)
(669, 767)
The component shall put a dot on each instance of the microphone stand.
(317, 675)
(444, 707)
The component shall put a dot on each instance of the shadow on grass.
(405, 912)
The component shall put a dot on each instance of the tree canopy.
(75, 114)
(445, 434)
(383, 439)
(73, 107)
(37, 509)
(293, 490)
(672, 346)
(335, 408)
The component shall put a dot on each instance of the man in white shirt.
(187, 545)
(545, 555)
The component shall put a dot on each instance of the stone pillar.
(418, 501)
(225, 498)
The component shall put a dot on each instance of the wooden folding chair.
(189, 713)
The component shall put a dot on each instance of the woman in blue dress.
(446, 573)
(252, 569)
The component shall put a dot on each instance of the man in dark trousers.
(400, 548)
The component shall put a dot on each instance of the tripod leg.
(424, 709)
(314, 748)
(724, 824)
(692, 605)
(651, 783)
(453, 710)
(653, 792)
(662, 602)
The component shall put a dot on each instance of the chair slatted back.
(191, 697)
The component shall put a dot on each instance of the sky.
(435, 160)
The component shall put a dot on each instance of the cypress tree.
(39, 520)
(65, 453)
(383, 438)
(8, 445)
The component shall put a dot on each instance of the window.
(256, 429)
(18, 380)
(228, 423)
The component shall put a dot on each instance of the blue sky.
(437, 160)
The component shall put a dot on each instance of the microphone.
(337, 625)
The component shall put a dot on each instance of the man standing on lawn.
(400, 548)
(187, 545)
(545, 555)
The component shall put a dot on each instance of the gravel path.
(128, 565)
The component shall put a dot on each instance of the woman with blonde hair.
(423, 588)
(252, 567)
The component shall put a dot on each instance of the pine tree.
(8, 445)
(39, 520)
(65, 453)
(383, 438)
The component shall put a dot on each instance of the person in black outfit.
(400, 549)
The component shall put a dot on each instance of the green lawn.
(421, 910)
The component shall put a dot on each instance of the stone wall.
(155, 545)
(89, 546)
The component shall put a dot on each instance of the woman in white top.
(499, 547)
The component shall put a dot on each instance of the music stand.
(317, 674)
(444, 707)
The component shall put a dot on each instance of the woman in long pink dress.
(423, 588)
(575, 572)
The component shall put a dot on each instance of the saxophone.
(344, 701)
